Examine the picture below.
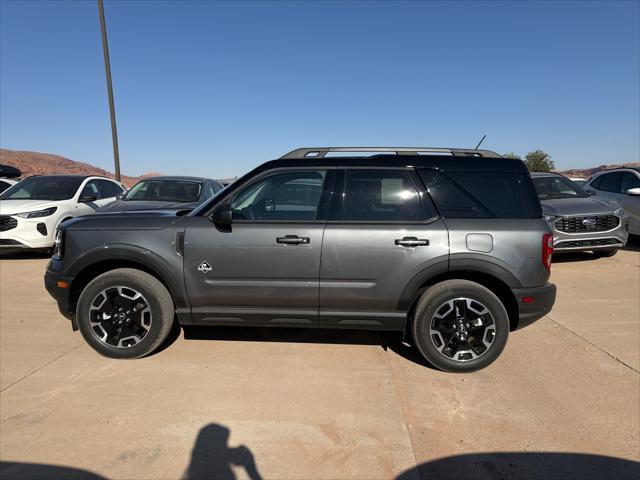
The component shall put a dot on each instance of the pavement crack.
(594, 345)
(401, 401)
(27, 375)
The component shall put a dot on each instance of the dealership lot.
(325, 404)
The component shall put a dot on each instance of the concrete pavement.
(290, 404)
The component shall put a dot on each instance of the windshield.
(181, 191)
(44, 188)
(553, 188)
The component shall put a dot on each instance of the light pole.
(112, 110)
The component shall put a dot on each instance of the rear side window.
(610, 182)
(379, 195)
(482, 195)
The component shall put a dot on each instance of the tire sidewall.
(434, 300)
(117, 279)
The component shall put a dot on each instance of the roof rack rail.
(321, 152)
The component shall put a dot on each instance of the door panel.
(364, 271)
(375, 245)
(265, 266)
(250, 270)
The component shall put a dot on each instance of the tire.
(438, 310)
(103, 306)
(605, 253)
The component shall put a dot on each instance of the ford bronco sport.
(447, 245)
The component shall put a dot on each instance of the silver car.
(623, 186)
(580, 222)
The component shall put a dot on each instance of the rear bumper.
(534, 303)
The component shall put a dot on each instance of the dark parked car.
(165, 193)
(9, 176)
(447, 247)
(580, 222)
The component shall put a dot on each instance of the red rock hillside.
(35, 163)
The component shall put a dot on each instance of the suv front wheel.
(125, 313)
(460, 326)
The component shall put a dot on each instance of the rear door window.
(611, 182)
(380, 195)
(482, 195)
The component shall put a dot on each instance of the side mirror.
(222, 215)
(634, 192)
(87, 199)
(120, 196)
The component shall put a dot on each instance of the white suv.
(31, 210)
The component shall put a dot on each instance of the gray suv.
(580, 222)
(446, 245)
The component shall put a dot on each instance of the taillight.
(547, 250)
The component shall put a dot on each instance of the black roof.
(441, 162)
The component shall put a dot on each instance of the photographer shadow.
(212, 458)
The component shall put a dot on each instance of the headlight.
(38, 213)
(59, 244)
(550, 218)
(619, 212)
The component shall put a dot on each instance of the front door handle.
(292, 240)
(411, 242)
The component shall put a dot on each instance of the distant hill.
(587, 172)
(36, 163)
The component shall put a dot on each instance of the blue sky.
(215, 88)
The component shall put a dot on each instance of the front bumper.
(534, 303)
(593, 240)
(62, 295)
(36, 233)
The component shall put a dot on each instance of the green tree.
(515, 156)
(538, 161)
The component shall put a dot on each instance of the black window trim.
(341, 184)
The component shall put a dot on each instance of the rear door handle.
(412, 242)
(292, 240)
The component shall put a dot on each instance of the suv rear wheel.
(125, 313)
(460, 326)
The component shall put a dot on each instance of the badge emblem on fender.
(204, 267)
